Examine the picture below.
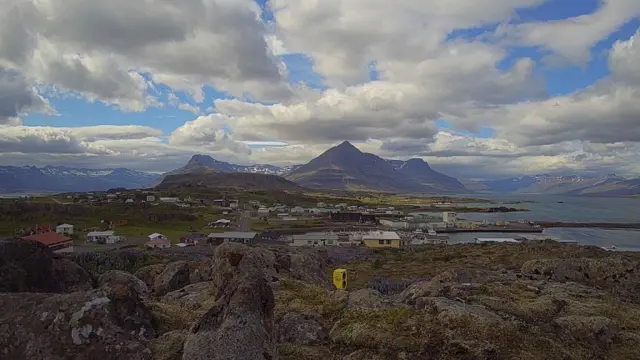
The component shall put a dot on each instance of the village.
(253, 222)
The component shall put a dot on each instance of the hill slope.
(200, 176)
(551, 184)
(420, 171)
(65, 179)
(344, 167)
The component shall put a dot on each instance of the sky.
(478, 88)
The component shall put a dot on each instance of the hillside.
(199, 176)
(618, 188)
(66, 179)
(344, 167)
(207, 161)
(547, 184)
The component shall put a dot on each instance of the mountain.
(14, 179)
(207, 161)
(546, 184)
(344, 167)
(613, 188)
(202, 176)
(420, 171)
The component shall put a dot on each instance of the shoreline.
(592, 225)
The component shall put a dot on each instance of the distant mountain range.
(14, 179)
(195, 175)
(608, 185)
(344, 167)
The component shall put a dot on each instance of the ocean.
(568, 209)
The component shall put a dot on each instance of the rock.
(112, 280)
(597, 330)
(192, 296)
(80, 325)
(28, 266)
(368, 298)
(364, 354)
(240, 325)
(173, 277)
(450, 311)
(340, 296)
(148, 274)
(168, 346)
(472, 350)
(301, 329)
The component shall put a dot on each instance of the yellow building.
(382, 239)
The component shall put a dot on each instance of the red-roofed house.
(55, 241)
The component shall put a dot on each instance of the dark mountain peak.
(346, 146)
(417, 162)
(200, 159)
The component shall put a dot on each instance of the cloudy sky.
(478, 88)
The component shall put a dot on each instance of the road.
(243, 222)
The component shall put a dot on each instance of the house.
(103, 237)
(234, 236)
(158, 241)
(220, 202)
(234, 204)
(64, 229)
(151, 198)
(111, 196)
(315, 239)
(170, 200)
(382, 239)
(297, 210)
(354, 217)
(56, 242)
(130, 202)
(321, 205)
(193, 239)
(272, 236)
(263, 210)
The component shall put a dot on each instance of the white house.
(222, 223)
(64, 229)
(130, 202)
(234, 236)
(297, 210)
(394, 224)
(315, 239)
(263, 210)
(151, 198)
(234, 204)
(103, 237)
(158, 241)
(171, 200)
(321, 205)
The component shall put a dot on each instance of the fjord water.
(569, 209)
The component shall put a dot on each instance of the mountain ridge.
(345, 167)
(17, 179)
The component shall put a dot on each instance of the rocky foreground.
(239, 302)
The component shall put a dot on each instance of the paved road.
(243, 222)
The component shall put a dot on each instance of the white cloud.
(573, 38)
(18, 97)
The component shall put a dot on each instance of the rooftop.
(381, 235)
(65, 225)
(101, 233)
(233, 235)
(48, 238)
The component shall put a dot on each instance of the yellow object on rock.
(340, 278)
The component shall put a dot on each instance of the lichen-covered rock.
(301, 329)
(240, 325)
(28, 266)
(368, 298)
(81, 325)
(173, 277)
(597, 330)
(112, 280)
(192, 296)
(148, 274)
(168, 346)
(450, 311)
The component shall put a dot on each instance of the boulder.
(81, 325)
(597, 330)
(240, 324)
(301, 329)
(192, 296)
(112, 280)
(168, 346)
(28, 266)
(173, 277)
(450, 311)
(368, 298)
(148, 274)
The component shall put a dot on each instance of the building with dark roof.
(54, 241)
